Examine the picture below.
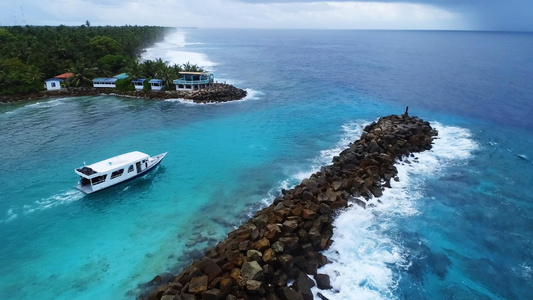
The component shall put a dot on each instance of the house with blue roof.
(138, 83)
(108, 82)
(156, 84)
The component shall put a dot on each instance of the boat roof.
(118, 161)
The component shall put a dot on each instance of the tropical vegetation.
(30, 54)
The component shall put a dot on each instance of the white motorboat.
(114, 170)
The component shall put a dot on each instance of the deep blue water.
(458, 225)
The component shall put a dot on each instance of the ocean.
(458, 224)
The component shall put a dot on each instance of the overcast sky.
(510, 15)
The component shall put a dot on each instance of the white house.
(157, 84)
(108, 82)
(104, 82)
(55, 82)
(138, 83)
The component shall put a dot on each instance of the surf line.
(277, 252)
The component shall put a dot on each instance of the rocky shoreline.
(282, 243)
(218, 92)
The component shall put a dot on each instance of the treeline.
(30, 54)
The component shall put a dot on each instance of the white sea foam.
(362, 254)
(251, 95)
(170, 50)
(58, 199)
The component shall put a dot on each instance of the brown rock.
(253, 285)
(290, 225)
(213, 294)
(286, 261)
(273, 231)
(249, 270)
(262, 244)
(269, 255)
(254, 254)
(188, 297)
(198, 285)
(226, 284)
(308, 214)
(209, 268)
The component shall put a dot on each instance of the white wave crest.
(47, 104)
(10, 216)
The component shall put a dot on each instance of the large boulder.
(250, 270)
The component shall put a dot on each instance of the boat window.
(130, 169)
(117, 173)
(98, 179)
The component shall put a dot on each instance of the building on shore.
(156, 84)
(138, 83)
(54, 83)
(191, 81)
(104, 82)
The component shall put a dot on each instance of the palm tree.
(160, 66)
(168, 75)
(102, 69)
(188, 67)
(149, 69)
(135, 70)
(81, 76)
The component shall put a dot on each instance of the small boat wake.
(62, 198)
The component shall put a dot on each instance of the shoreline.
(283, 242)
(219, 92)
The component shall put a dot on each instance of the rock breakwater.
(275, 254)
(218, 92)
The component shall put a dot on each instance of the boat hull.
(89, 189)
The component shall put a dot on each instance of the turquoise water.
(457, 225)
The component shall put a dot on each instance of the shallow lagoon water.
(457, 225)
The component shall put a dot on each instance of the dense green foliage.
(30, 54)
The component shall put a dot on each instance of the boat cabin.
(111, 171)
(191, 81)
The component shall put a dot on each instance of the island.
(38, 62)
(274, 254)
